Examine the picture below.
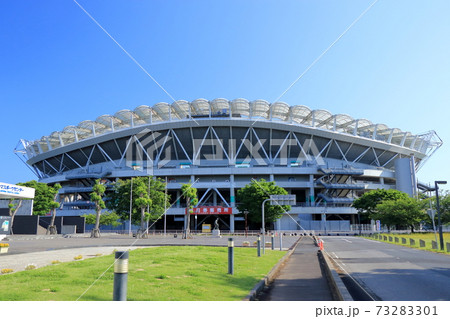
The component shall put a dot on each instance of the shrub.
(78, 257)
(7, 270)
(30, 267)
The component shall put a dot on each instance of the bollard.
(434, 245)
(273, 242)
(230, 256)
(120, 276)
(421, 243)
(259, 246)
(281, 241)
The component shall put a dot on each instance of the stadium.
(220, 146)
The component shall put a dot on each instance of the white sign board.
(15, 191)
(282, 200)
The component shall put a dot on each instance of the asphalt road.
(20, 244)
(382, 271)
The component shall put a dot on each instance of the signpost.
(5, 226)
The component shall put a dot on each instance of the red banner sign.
(211, 210)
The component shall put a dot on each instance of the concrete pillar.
(278, 224)
(311, 190)
(232, 194)
(178, 204)
(232, 222)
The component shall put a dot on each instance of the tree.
(13, 209)
(43, 197)
(251, 197)
(444, 205)
(142, 201)
(108, 218)
(97, 197)
(119, 199)
(190, 194)
(400, 212)
(53, 205)
(367, 203)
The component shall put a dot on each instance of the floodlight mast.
(436, 188)
(263, 230)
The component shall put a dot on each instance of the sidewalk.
(18, 262)
(301, 278)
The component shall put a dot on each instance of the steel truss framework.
(238, 109)
(218, 144)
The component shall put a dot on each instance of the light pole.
(246, 227)
(275, 200)
(436, 188)
(165, 207)
(135, 167)
(131, 205)
(263, 226)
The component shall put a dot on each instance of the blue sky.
(58, 68)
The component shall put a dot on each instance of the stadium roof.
(258, 110)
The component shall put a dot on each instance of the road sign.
(282, 200)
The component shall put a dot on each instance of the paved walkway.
(19, 262)
(301, 278)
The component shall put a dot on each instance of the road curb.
(271, 275)
(338, 289)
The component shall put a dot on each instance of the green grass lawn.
(426, 237)
(159, 274)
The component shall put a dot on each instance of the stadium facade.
(220, 146)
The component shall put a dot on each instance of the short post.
(273, 242)
(434, 245)
(120, 276)
(259, 246)
(421, 243)
(230, 256)
(281, 241)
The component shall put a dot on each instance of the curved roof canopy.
(237, 109)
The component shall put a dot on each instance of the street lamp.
(436, 188)
(131, 205)
(275, 200)
(135, 167)
(246, 227)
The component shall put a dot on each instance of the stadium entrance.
(208, 215)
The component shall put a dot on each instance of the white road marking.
(348, 241)
(373, 241)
